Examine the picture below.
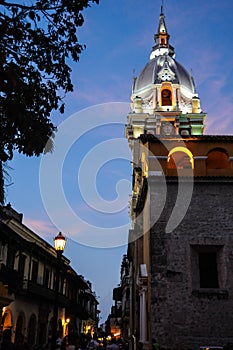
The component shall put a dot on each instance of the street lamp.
(59, 245)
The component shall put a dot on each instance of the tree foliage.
(38, 40)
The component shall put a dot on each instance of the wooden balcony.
(35, 290)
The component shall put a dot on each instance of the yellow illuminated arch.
(184, 150)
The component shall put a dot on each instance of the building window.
(207, 263)
(34, 271)
(21, 266)
(54, 280)
(61, 286)
(208, 270)
(2, 251)
(10, 258)
(46, 277)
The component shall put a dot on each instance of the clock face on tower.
(167, 128)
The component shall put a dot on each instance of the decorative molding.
(200, 157)
(155, 173)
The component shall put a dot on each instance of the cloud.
(42, 228)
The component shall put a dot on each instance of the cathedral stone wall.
(188, 310)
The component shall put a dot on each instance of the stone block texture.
(191, 267)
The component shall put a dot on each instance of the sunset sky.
(119, 37)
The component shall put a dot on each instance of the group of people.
(73, 341)
(85, 342)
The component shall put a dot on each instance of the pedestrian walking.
(58, 343)
(113, 345)
(93, 344)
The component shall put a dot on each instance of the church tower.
(164, 98)
(180, 246)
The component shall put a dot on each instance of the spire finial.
(161, 6)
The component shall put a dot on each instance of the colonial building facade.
(28, 273)
(180, 252)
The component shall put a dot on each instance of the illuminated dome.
(164, 68)
(164, 98)
(161, 73)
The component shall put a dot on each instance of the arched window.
(32, 331)
(163, 41)
(217, 159)
(20, 327)
(166, 97)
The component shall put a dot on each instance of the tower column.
(143, 315)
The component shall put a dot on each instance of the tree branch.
(25, 7)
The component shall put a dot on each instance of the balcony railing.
(43, 292)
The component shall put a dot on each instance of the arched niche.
(217, 159)
(32, 326)
(20, 327)
(166, 97)
(180, 158)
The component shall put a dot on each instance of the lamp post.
(59, 245)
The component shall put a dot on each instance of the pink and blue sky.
(118, 37)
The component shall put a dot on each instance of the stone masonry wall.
(183, 315)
